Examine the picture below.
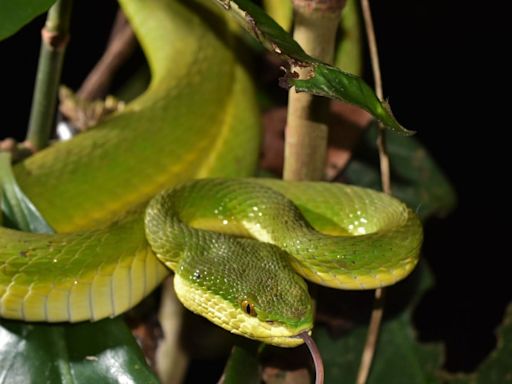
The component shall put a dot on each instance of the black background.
(438, 66)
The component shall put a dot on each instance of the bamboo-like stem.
(54, 38)
(378, 304)
(316, 23)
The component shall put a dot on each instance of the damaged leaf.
(323, 79)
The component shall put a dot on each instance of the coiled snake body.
(196, 120)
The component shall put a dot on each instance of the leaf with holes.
(324, 79)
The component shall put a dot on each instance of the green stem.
(316, 23)
(54, 38)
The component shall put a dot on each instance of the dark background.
(438, 68)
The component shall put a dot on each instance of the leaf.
(101, 352)
(243, 365)
(415, 177)
(14, 14)
(497, 368)
(348, 54)
(19, 212)
(399, 358)
(324, 80)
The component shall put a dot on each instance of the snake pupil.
(248, 307)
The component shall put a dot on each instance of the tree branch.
(121, 44)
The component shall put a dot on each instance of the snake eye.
(248, 308)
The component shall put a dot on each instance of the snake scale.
(196, 120)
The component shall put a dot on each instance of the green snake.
(197, 120)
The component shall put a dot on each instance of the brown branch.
(377, 78)
(121, 44)
(372, 337)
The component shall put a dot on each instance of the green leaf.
(243, 365)
(325, 80)
(19, 212)
(415, 177)
(497, 368)
(348, 54)
(399, 358)
(14, 14)
(101, 352)
(334, 83)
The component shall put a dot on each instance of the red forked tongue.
(317, 358)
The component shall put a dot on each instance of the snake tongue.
(315, 354)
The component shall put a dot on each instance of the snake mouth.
(275, 333)
(286, 341)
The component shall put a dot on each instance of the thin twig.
(316, 23)
(378, 305)
(54, 38)
(121, 44)
(372, 337)
(377, 78)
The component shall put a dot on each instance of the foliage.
(325, 80)
(15, 14)
(415, 177)
(496, 369)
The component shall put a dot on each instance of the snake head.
(247, 288)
